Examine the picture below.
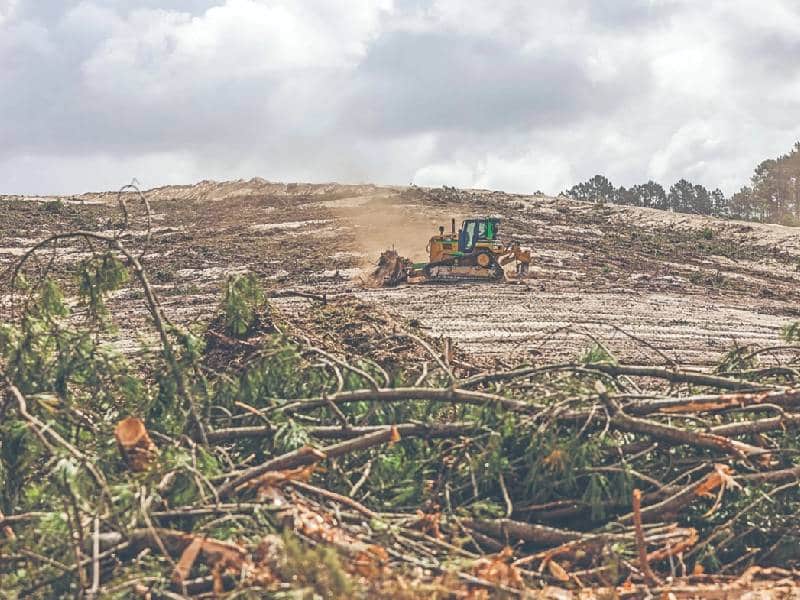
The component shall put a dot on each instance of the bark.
(641, 546)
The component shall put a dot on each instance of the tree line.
(773, 195)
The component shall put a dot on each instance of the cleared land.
(652, 285)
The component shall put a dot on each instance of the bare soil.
(651, 285)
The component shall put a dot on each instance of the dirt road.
(648, 284)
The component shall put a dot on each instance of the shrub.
(243, 300)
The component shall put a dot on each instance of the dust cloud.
(385, 223)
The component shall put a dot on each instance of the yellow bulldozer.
(474, 252)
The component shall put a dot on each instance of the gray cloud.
(624, 15)
(412, 82)
(515, 95)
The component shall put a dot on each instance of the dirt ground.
(651, 285)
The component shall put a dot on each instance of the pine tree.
(719, 204)
(681, 197)
(596, 189)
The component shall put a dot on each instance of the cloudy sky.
(504, 94)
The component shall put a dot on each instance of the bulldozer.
(474, 252)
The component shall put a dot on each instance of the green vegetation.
(683, 196)
(242, 302)
(773, 195)
(339, 456)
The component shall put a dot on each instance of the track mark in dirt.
(521, 322)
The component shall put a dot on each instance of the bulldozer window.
(487, 229)
(468, 236)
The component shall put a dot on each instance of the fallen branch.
(427, 431)
(509, 531)
(641, 547)
(404, 394)
(306, 456)
(757, 426)
(674, 504)
(615, 370)
(712, 403)
(323, 298)
(674, 376)
(357, 506)
(675, 435)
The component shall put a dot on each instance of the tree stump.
(135, 444)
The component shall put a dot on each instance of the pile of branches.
(260, 457)
(391, 270)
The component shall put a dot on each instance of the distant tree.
(650, 195)
(774, 191)
(741, 205)
(701, 201)
(623, 196)
(681, 197)
(773, 194)
(594, 190)
(719, 204)
(686, 197)
(769, 201)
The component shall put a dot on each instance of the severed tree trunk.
(6, 529)
(135, 444)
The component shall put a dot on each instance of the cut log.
(135, 444)
(187, 560)
(7, 531)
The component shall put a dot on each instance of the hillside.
(687, 285)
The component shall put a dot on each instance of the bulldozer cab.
(477, 230)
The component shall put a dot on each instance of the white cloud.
(532, 171)
(7, 9)
(686, 151)
(516, 95)
(69, 174)
(239, 39)
(251, 56)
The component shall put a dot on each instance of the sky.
(512, 95)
